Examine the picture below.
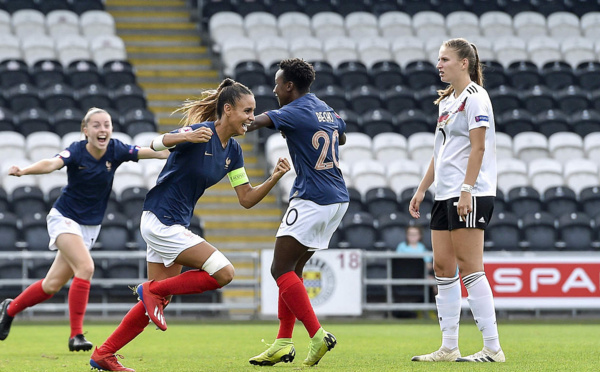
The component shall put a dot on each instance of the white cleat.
(485, 355)
(442, 355)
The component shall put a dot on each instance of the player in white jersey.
(463, 171)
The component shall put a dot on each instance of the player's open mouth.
(102, 139)
(245, 126)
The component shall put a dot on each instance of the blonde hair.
(467, 50)
(209, 107)
(88, 115)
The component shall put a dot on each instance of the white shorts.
(164, 242)
(59, 224)
(311, 224)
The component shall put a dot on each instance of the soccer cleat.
(442, 355)
(485, 355)
(5, 319)
(154, 305)
(107, 362)
(78, 343)
(320, 343)
(282, 350)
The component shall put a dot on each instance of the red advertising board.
(544, 282)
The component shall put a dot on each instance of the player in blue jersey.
(74, 220)
(201, 155)
(318, 201)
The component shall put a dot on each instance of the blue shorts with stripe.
(444, 215)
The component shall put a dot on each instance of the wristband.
(158, 145)
(466, 188)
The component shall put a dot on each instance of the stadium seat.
(5, 22)
(339, 49)
(511, 173)
(247, 7)
(114, 234)
(580, 173)
(403, 174)
(529, 146)
(82, 73)
(578, 50)
(70, 48)
(57, 97)
(394, 25)
(504, 145)
(13, 72)
(52, 181)
(528, 24)
(432, 48)
(265, 99)
(107, 48)
(588, 75)
(565, 146)
(47, 72)
(117, 73)
(42, 145)
(33, 120)
(407, 194)
(4, 204)
(537, 99)
(308, 48)
(392, 229)
(539, 231)
(389, 147)
(250, 73)
(558, 74)
(271, 50)
(9, 183)
(96, 22)
(352, 75)
(591, 146)
(425, 97)
(128, 97)
(359, 230)
(12, 145)
(326, 25)
(381, 201)
(545, 173)
(590, 25)
(543, 49)
(420, 147)
(66, 121)
(93, 95)
(377, 121)
(563, 24)
(35, 232)
(37, 47)
(22, 97)
(356, 203)
(374, 50)
(548, 7)
(82, 6)
(360, 24)
(500, 204)
(551, 121)
(28, 22)
(28, 199)
(294, 25)
(365, 99)
(386, 75)
(368, 174)
(428, 23)
(589, 198)
(351, 119)
(332, 94)
(325, 75)
(313, 7)
(576, 231)
(132, 201)
(494, 75)
(128, 175)
(9, 232)
(61, 21)
(523, 75)
(505, 98)
(560, 200)
(503, 233)
(585, 122)
(509, 49)
(349, 7)
(572, 99)
(460, 23)
(524, 199)
(225, 25)
(10, 47)
(400, 98)
(421, 74)
(123, 268)
(408, 49)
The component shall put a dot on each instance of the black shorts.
(445, 217)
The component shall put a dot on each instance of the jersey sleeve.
(238, 175)
(282, 119)
(341, 123)
(125, 152)
(69, 155)
(189, 128)
(477, 111)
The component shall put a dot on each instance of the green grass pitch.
(385, 346)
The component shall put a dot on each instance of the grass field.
(206, 346)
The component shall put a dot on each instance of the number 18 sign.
(332, 279)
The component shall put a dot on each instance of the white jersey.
(457, 116)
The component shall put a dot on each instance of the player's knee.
(51, 285)
(225, 275)
(85, 271)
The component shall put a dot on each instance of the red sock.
(32, 295)
(132, 325)
(294, 294)
(189, 282)
(287, 319)
(78, 300)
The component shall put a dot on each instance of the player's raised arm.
(249, 195)
(43, 166)
(261, 121)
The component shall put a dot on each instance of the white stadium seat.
(576, 50)
(12, 145)
(509, 49)
(590, 25)
(42, 145)
(529, 24)
(504, 145)
(340, 49)
(71, 137)
(308, 48)
(420, 147)
(543, 49)
(144, 139)
(72, 47)
(389, 146)
(28, 22)
(5, 22)
(271, 49)
(293, 25)
(10, 47)
(408, 49)
(565, 146)
(591, 146)
(393, 25)
(580, 173)
(462, 23)
(358, 147)
(37, 47)
(107, 48)
(545, 173)
(236, 50)
(96, 22)
(223, 26)
(495, 24)
(373, 50)
(529, 146)
(60, 23)
(403, 174)
(328, 24)
(429, 23)
(511, 173)
(361, 25)
(563, 24)
(368, 174)
(260, 24)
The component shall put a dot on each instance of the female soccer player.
(318, 201)
(463, 170)
(74, 220)
(201, 155)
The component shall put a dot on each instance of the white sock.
(481, 302)
(448, 307)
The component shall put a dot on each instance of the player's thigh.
(468, 247)
(444, 261)
(158, 271)
(75, 252)
(58, 275)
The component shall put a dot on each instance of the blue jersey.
(85, 197)
(190, 170)
(312, 131)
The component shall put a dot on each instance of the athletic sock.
(32, 295)
(448, 306)
(481, 302)
(294, 294)
(132, 325)
(189, 282)
(78, 300)
(287, 319)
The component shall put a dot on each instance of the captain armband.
(238, 177)
(158, 145)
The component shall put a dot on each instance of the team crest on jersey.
(108, 166)
(319, 280)
(227, 162)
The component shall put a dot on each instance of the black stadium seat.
(14, 72)
(505, 98)
(333, 95)
(251, 74)
(503, 232)
(356, 203)
(324, 75)
(525, 199)
(359, 230)
(558, 74)
(381, 201)
(539, 231)
(82, 73)
(588, 75)
(560, 200)
(576, 231)
(9, 231)
(132, 201)
(114, 234)
(278, 7)
(265, 99)
(413, 121)
(28, 199)
(399, 98)
(66, 120)
(523, 75)
(127, 97)
(137, 121)
(312, 7)
(351, 119)
(93, 95)
(33, 120)
(35, 232)
(374, 122)
(421, 74)
(494, 75)
(585, 122)
(117, 73)
(551, 121)
(386, 74)
(365, 98)
(537, 99)
(7, 121)
(589, 198)
(572, 99)
(22, 97)
(515, 121)
(57, 97)
(352, 74)
(392, 229)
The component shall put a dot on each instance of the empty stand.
(359, 230)
(503, 233)
(576, 231)
(560, 200)
(539, 231)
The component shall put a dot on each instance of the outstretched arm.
(261, 121)
(249, 196)
(41, 167)
(169, 140)
(148, 153)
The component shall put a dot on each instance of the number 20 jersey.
(312, 131)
